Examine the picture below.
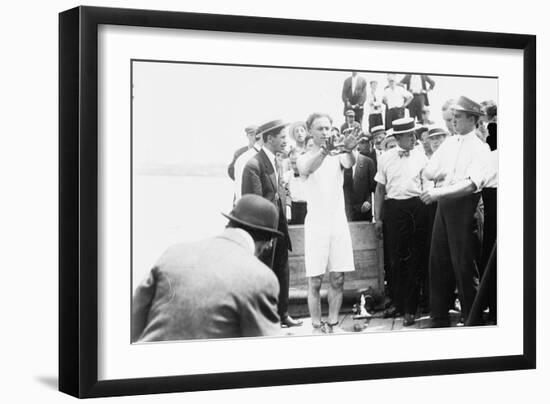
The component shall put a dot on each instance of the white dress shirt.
(402, 176)
(271, 157)
(395, 98)
(458, 158)
(416, 84)
(491, 171)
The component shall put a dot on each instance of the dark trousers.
(278, 262)
(416, 105)
(407, 226)
(375, 120)
(425, 258)
(452, 257)
(392, 114)
(299, 211)
(489, 196)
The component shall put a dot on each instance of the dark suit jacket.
(356, 97)
(215, 288)
(426, 80)
(363, 186)
(259, 178)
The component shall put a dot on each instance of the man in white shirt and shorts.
(326, 232)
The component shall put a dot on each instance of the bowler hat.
(467, 105)
(403, 125)
(271, 126)
(256, 213)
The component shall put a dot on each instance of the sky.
(186, 114)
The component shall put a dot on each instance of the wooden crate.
(368, 256)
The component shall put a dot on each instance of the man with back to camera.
(251, 136)
(458, 169)
(215, 288)
(261, 176)
(326, 233)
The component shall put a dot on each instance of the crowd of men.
(429, 189)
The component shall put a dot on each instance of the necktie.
(403, 153)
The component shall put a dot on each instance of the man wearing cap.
(251, 136)
(354, 95)
(241, 161)
(214, 288)
(364, 185)
(398, 206)
(418, 85)
(396, 98)
(458, 169)
(326, 233)
(377, 135)
(351, 126)
(262, 176)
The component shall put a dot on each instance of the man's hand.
(430, 196)
(350, 142)
(365, 207)
(378, 228)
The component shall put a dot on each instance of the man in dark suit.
(261, 176)
(354, 95)
(363, 183)
(215, 288)
(419, 85)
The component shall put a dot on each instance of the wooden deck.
(376, 323)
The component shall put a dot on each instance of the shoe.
(288, 322)
(408, 320)
(391, 312)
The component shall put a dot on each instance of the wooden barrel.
(368, 255)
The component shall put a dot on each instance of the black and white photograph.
(276, 201)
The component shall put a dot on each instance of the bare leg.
(314, 299)
(335, 296)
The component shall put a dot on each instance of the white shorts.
(327, 247)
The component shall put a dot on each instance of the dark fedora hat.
(271, 126)
(257, 213)
(467, 105)
(403, 125)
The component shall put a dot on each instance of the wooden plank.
(368, 258)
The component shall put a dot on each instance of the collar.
(270, 155)
(246, 238)
(467, 136)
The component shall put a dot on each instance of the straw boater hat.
(436, 130)
(375, 130)
(271, 126)
(257, 213)
(467, 105)
(403, 125)
(350, 112)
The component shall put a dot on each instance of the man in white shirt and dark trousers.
(398, 204)
(458, 168)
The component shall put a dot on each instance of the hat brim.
(402, 132)
(273, 128)
(269, 230)
(442, 133)
(469, 111)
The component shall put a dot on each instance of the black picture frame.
(78, 200)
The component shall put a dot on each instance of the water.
(174, 209)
